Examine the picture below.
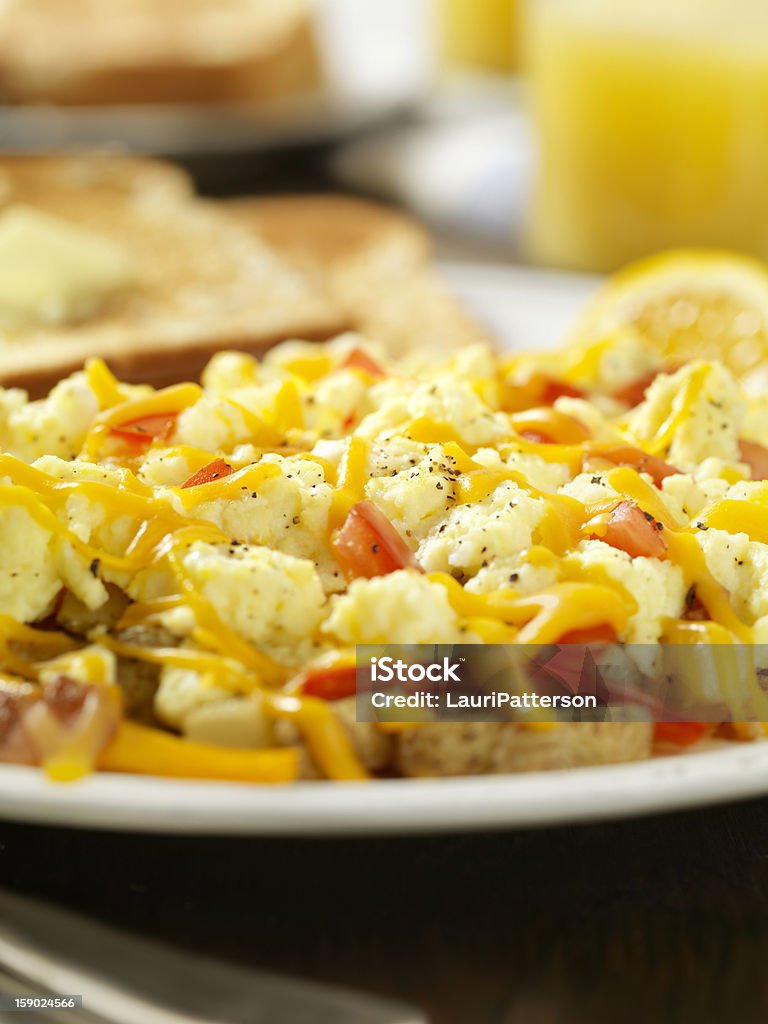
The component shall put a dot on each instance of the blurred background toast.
(156, 51)
(375, 261)
(117, 257)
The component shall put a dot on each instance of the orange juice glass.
(479, 33)
(652, 123)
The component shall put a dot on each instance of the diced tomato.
(634, 531)
(213, 471)
(568, 666)
(756, 457)
(572, 664)
(682, 734)
(639, 460)
(553, 389)
(538, 390)
(632, 394)
(146, 429)
(357, 359)
(369, 545)
(332, 683)
(604, 634)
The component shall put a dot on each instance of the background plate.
(376, 63)
(528, 309)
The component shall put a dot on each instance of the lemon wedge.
(688, 304)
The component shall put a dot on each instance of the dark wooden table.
(662, 920)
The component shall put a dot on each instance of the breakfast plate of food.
(203, 516)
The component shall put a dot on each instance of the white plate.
(527, 309)
(399, 806)
(377, 64)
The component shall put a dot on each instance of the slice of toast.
(95, 52)
(375, 261)
(200, 282)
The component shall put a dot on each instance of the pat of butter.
(53, 273)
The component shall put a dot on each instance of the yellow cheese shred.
(681, 406)
(103, 384)
(738, 517)
(323, 733)
(142, 750)
(353, 477)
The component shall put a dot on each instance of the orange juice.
(652, 119)
(479, 33)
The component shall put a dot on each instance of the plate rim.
(120, 803)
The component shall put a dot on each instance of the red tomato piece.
(682, 734)
(639, 460)
(213, 471)
(146, 429)
(756, 457)
(632, 394)
(634, 531)
(539, 390)
(604, 634)
(357, 359)
(553, 389)
(369, 545)
(332, 683)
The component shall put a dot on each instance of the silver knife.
(45, 951)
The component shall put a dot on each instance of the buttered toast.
(116, 257)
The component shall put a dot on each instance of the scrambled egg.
(691, 415)
(239, 535)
